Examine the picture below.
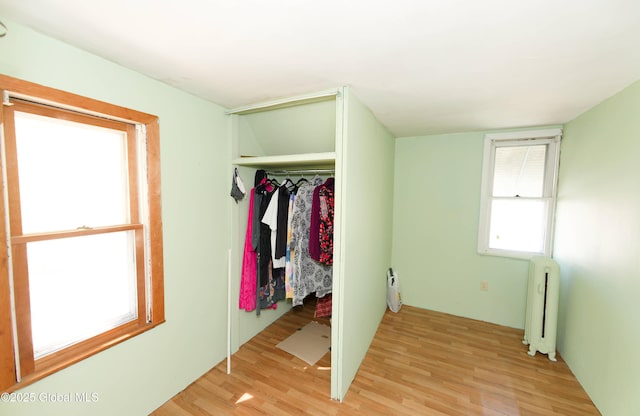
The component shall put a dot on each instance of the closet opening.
(282, 275)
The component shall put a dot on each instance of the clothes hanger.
(274, 182)
(289, 185)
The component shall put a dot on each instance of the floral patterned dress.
(326, 225)
(309, 275)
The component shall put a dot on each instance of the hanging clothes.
(249, 292)
(270, 272)
(309, 275)
(252, 295)
(276, 260)
(326, 222)
(290, 253)
(324, 307)
(315, 251)
(314, 225)
(282, 220)
(249, 262)
(264, 234)
(270, 218)
(273, 291)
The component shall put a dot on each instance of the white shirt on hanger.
(270, 218)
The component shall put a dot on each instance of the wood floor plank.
(420, 362)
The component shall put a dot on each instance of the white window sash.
(550, 137)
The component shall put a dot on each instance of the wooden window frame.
(16, 350)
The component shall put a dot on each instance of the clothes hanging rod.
(301, 172)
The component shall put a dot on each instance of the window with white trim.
(518, 193)
(81, 264)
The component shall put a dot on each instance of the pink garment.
(249, 271)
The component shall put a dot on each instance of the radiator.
(542, 307)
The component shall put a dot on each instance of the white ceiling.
(422, 66)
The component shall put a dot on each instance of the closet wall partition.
(329, 130)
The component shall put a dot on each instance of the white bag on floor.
(394, 301)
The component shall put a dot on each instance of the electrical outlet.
(484, 286)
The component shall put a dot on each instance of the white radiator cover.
(541, 319)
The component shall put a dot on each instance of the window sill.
(518, 255)
(50, 364)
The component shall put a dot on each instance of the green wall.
(598, 247)
(435, 233)
(138, 375)
(359, 294)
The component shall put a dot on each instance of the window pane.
(518, 225)
(519, 170)
(71, 174)
(80, 287)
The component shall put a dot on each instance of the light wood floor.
(420, 363)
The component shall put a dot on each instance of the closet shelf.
(317, 160)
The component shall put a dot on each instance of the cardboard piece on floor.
(310, 343)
